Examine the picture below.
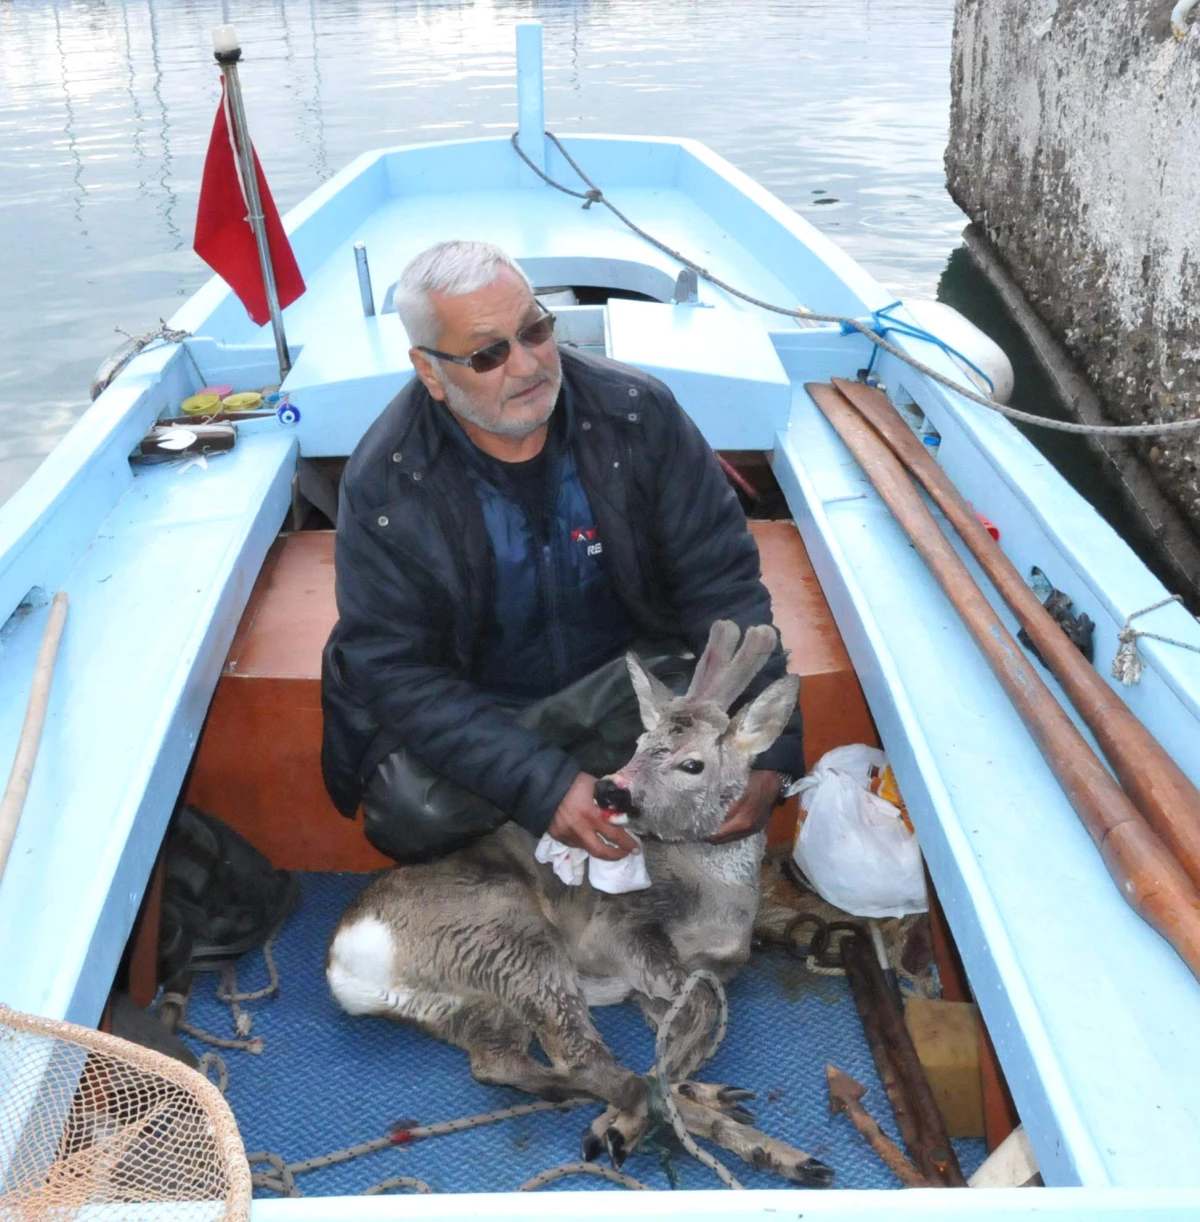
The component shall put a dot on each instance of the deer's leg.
(761, 1151)
(654, 970)
(498, 1045)
(554, 1007)
(520, 961)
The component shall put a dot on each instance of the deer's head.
(694, 759)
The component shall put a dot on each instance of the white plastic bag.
(853, 846)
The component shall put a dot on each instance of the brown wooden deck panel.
(258, 762)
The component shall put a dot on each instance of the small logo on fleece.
(595, 548)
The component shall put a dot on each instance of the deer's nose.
(609, 795)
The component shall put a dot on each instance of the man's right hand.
(580, 823)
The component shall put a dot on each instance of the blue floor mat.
(326, 1081)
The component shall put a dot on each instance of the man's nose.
(522, 361)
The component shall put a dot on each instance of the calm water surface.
(838, 106)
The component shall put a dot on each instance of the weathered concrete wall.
(1075, 146)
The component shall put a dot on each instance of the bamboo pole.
(1156, 785)
(17, 788)
(1149, 878)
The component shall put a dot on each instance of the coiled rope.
(873, 329)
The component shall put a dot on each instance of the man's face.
(516, 398)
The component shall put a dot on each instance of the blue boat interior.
(324, 1081)
(161, 564)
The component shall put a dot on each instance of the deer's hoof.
(591, 1146)
(724, 1099)
(735, 1094)
(813, 1173)
(614, 1141)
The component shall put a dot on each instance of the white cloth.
(613, 877)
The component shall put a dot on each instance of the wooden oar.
(1147, 875)
(1156, 785)
(13, 801)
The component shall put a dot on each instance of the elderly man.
(517, 518)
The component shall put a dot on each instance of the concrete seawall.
(1075, 147)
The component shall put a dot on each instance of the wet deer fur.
(487, 949)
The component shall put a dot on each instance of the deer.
(487, 950)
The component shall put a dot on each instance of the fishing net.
(92, 1125)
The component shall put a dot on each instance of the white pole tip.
(224, 39)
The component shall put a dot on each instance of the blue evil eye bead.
(287, 413)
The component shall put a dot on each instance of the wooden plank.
(832, 703)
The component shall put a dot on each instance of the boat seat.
(710, 357)
(140, 656)
(258, 762)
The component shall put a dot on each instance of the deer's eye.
(692, 767)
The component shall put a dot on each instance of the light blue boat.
(1095, 1019)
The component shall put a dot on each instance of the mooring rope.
(872, 330)
(147, 342)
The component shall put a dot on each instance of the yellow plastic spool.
(201, 405)
(244, 401)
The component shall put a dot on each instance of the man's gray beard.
(463, 406)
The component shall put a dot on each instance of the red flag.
(224, 238)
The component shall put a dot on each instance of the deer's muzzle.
(608, 795)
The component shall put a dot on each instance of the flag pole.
(227, 52)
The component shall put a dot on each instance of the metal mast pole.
(227, 52)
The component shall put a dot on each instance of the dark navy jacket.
(415, 583)
(554, 615)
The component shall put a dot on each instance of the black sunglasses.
(492, 356)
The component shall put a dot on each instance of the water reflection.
(106, 107)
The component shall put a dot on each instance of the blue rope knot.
(881, 323)
(594, 196)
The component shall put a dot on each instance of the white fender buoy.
(964, 336)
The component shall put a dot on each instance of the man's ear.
(426, 372)
(653, 696)
(761, 722)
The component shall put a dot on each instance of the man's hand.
(580, 823)
(749, 814)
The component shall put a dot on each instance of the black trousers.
(412, 813)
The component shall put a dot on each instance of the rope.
(227, 990)
(282, 1180)
(147, 342)
(213, 1061)
(255, 1045)
(664, 1096)
(597, 1169)
(873, 330)
(1128, 664)
(397, 1181)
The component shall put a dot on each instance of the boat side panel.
(913, 1205)
(50, 521)
(1045, 522)
(1088, 1024)
(154, 603)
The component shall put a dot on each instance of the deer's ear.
(761, 722)
(653, 696)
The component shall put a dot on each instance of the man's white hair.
(451, 269)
